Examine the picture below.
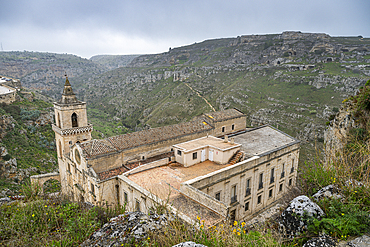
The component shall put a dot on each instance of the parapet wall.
(7, 94)
(148, 166)
(137, 193)
(204, 199)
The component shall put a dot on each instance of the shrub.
(31, 191)
(13, 110)
(29, 115)
(314, 176)
(331, 117)
(7, 157)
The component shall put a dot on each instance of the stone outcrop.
(330, 191)
(363, 241)
(189, 244)
(127, 228)
(9, 171)
(293, 219)
(321, 241)
(337, 133)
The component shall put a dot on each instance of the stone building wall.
(8, 98)
(239, 124)
(113, 160)
(224, 180)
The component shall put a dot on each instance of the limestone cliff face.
(337, 133)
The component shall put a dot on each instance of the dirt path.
(200, 96)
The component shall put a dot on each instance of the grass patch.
(54, 221)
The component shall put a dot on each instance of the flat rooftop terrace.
(165, 182)
(206, 141)
(157, 180)
(5, 90)
(263, 139)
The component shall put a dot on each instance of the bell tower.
(70, 122)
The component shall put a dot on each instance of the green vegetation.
(49, 221)
(348, 170)
(348, 216)
(31, 144)
(221, 235)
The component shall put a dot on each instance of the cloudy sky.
(91, 27)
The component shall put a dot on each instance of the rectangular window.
(260, 181)
(125, 196)
(270, 193)
(223, 129)
(69, 167)
(92, 188)
(248, 188)
(259, 199)
(179, 152)
(232, 216)
(218, 196)
(246, 206)
(272, 177)
(281, 187)
(195, 156)
(290, 182)
(233, 127)
(292, 170)
(137, 207)
(282, 171)
(233, 194)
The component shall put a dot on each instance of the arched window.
(59, 121)
(74, 120)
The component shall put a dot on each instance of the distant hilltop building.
(8, 91)
(212, 167)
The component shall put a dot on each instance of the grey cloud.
(177, 20)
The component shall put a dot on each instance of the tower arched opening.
(74, 120)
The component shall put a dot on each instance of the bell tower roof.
(68, 96)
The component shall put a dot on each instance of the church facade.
(212, 167)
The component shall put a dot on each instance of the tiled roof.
(224, 115)
(122, 142)
(111, 173)
(97, 147)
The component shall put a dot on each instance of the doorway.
(210, 155)
(203, 155)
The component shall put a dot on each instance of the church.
(213, 167)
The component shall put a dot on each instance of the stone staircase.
(235, 158)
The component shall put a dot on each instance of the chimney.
(226, 139)
(232, 140)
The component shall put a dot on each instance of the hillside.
(45, 71)
(27, 142)
(113, 61)
(291, 80)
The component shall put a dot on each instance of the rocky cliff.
(292, 80)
